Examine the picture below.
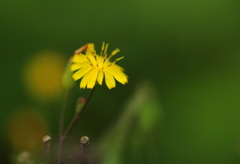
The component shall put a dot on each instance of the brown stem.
(71, 125)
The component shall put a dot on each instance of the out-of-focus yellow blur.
(42, 75)
(26, 127)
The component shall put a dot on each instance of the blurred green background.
(182, 59)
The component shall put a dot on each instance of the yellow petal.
(100, 62)
(87, 78)
(77, 66)
(90, 49)
(78, 58)
(115, 66)
(100, 77)
(92, 78)
(110, 82)
(92, 59)
(102, 49)
(81, 72)
(118, 74)
(113, 53)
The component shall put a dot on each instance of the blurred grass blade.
(137, 130)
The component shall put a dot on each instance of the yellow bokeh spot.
(26, 129)
(43, 75)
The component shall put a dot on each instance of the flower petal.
(90, 49)
(110, 82)
(100, 77)
(77, 66)
(78, 58)
(100, 62)
(92, 78)
(81, 72)
(89, 80)
(118, 74)
(92, 60)
(115, 66)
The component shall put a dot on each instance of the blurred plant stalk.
(135, 130)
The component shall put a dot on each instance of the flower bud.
(80, 102)
(85, 144)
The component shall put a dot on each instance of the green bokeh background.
(188, 50)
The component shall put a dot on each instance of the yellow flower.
(93, 67)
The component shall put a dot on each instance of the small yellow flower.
(93, 67)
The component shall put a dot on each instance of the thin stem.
(61, 120)
(71, 125)
(75, 119)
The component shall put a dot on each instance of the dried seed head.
(47, 143)
(84, 140)
(46, 139)
(85, 145)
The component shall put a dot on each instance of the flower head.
(93, 67)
